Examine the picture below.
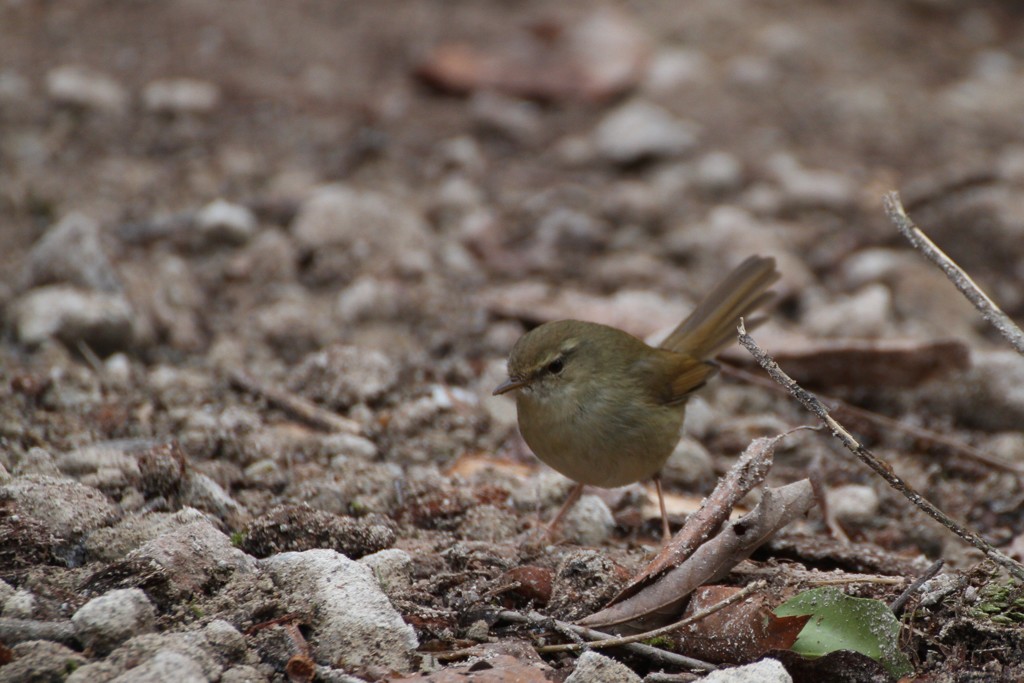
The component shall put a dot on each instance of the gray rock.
(592, 667)
(203, 654)
(369, 298)
(101, 320)
(40, 661)
(243, 674)
(88, 461)
(641, 130)
(342, 376)
(349, 445)
(203, 493)
(37, 461)
(21, 605)
(812, 187)
(180, 96)
(610, 49)
(166, 293)
(190, 557)
(865, 313)
(6, 591)
(718, 172)
(221, 222)
(690, 464)
(392, 568)
(79, 86)
(113, 543)
(854, 504)
(351, 618)
(105, 622)
(349, 231)
(488, 523)
(66, 508)
(676, 68)
(589, 522)
(764, 671)
(564, 229)
(71, 252)
(165, 665)
(224, 641)
(516, 119)
(270, 257)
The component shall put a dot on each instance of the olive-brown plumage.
(604, 408)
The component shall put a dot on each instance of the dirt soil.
(263, 262)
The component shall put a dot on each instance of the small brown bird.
(604, 408)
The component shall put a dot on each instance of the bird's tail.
(711, 327)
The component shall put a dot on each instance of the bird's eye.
(556, 366)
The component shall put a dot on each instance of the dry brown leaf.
(595, 59)
(749, 471)
(532, 583)
(738, 633)
(659, 602)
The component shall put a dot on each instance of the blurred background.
(363, 205)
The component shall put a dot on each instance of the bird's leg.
(666, 534)
(574, 496)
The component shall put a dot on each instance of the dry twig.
(664, 630)
(648, 651)
(988, 308)
(899, 603)
(882, 468)
(294, 405)
(661, 601)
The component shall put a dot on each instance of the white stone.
(764, 671)
(180, 95)
(103, 321)
(854, 504)
(391, 567)
(638, 130)
(352, 620)
(589, 522)
(21, 605)
(592, 667)
(80, 86)
(221, 221)
(165, 665)
(105, 622)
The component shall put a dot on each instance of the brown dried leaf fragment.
(738, 633)
(659, 602)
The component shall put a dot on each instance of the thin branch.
(664, 630)
(296, 406)
(882, 468)
(648, 651)
(899, 603)
(988, 308)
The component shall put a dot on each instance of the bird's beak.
(511, 384)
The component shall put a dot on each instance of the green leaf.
(841, 622)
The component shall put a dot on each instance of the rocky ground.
(262, 264)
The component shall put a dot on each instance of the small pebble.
(180, 96)
(79, 86)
